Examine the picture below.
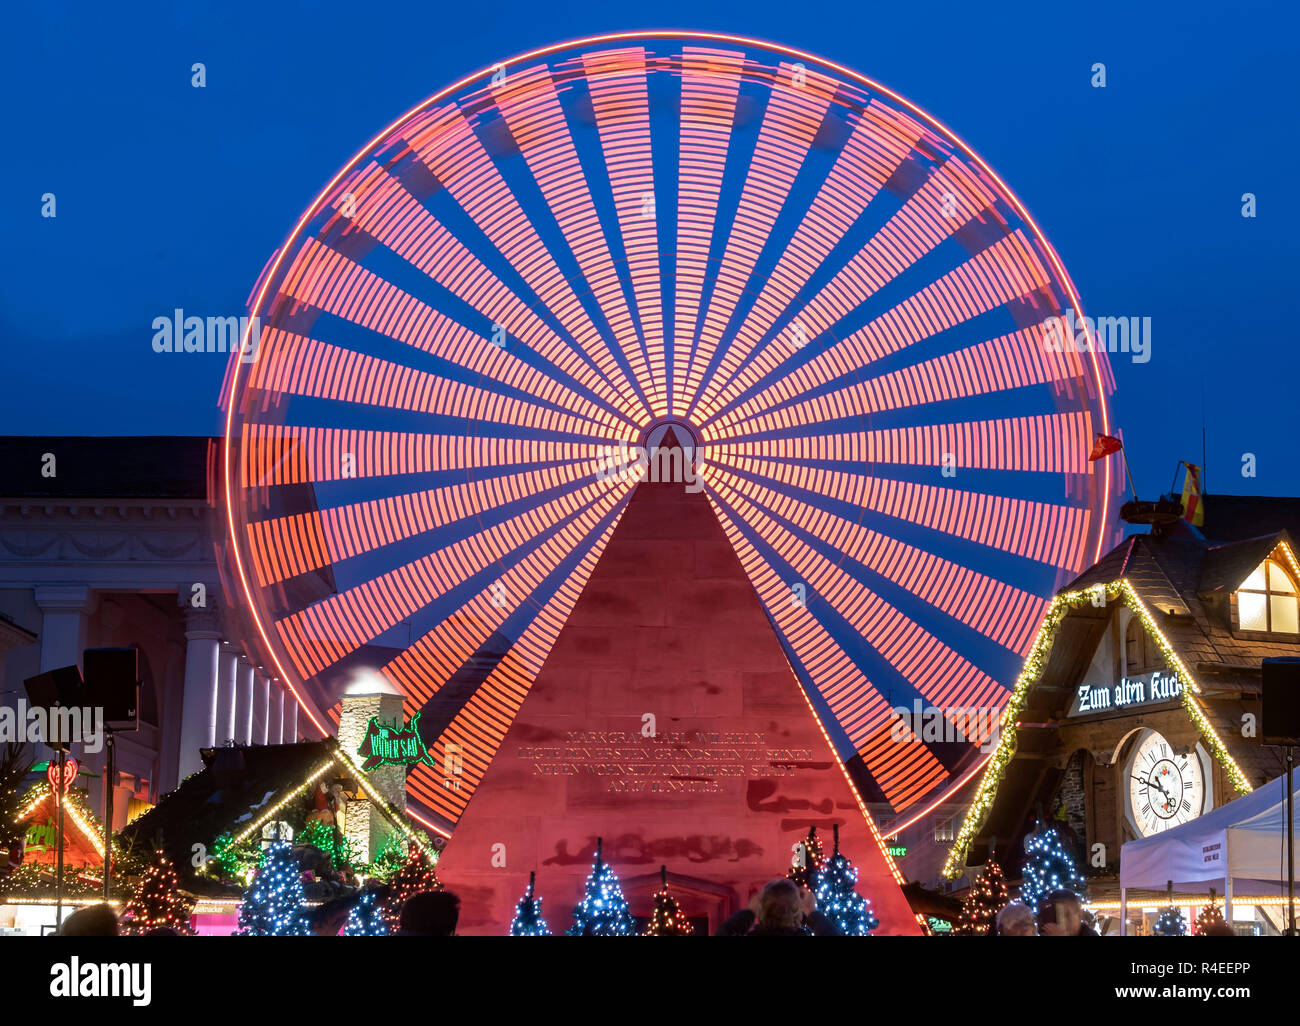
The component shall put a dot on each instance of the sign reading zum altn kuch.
(1144, 689)
(386, 745)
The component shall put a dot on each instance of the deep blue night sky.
(170, 196)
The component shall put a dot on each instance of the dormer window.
(1267, 601)
(1141, 655)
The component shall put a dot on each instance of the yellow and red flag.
(1193, 509)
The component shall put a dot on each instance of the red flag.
(1104, 446)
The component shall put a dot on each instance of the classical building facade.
(113, 542)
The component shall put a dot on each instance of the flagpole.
(1124, 456)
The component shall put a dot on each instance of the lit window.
(1267, 600)
(945, 830)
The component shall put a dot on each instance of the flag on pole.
(1104, 446)
(1193, 510)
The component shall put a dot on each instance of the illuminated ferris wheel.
(835, 304)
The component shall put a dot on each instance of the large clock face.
(1165, 788)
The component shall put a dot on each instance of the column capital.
(202, 622)
(66, 598)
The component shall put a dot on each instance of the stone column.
(290, 718)
(366, 827)
(227, 674)
(275, 717)
(261, 706)
(199, 702)
(244, 702)
(65, 610)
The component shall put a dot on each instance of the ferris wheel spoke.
(790, 123)
(945, 678)
(280, 454)
(380, 205)
(709, 90)
(860, 714)
(531, 109)
(878, 143)
(324, 632)
(1003, 272)
(432, 659)
(329, 282)
(1034, 530)
(332, 534)
(1047, 443)
(1020, 360)
(988, 606)
(479, 726)
(448, 146)
(620, 99)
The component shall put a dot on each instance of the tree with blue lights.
(838, 898)
(366, 919)
(603, 910)
(273, 905)
(528, 921)
(1048, 867)
(1172, 923)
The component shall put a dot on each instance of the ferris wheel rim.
(270, 275)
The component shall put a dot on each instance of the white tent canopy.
(1243, 841)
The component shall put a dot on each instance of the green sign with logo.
(386, 745)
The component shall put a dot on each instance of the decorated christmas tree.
(1048, 867)
(603, 909)
(366, 918)
(417, 874)
(667, 920)
(528, 921)
(273, 905)
(1210, 915)
(838, 898)
(157, 902)
(808, 861)
(1171, 923)
(391, 858)
(986, 897)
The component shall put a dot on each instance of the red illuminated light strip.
(879, 142)
(904, 773)
(425, 667)
(334, 284)
(915, 230)
(354, 528)
(1045, 532)
(1019, 360)
(297, 365)
(387, 212)
(448, 146)
(481, 724)
(277, 454)
(617, 81)
(941, 675)
(710, 84)
(1003, 272)
(529, 104)
(324, 632)
(1044, 443)
(790, 122)
(1003, 613)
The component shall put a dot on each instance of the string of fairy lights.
(1031, 673)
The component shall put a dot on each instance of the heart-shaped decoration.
(70, 771)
